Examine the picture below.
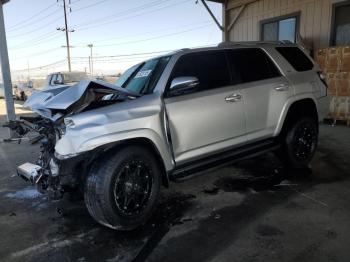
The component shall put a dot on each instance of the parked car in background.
(59, 79)
(55, 80)
(23, 90)
(2, 94)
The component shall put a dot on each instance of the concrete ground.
(253, 211)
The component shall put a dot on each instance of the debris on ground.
(213, 190)
(26, 193)
(217, 216)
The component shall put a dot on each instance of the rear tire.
(299, 143)
(121, 191)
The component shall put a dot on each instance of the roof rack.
(231, 43)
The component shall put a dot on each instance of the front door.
(210, 119)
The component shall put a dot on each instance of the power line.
(37, 28)
(134, 16)
(37, 41)
(39, 53)
(72, 3)
(91, 5)
(39, 20)
(127, 11)
(126, 55)
(41, 67)
(148, 32)
(33, 16)
(104, 22)
(156, 37)
(111, 57)
(128, 42)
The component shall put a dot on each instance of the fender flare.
(286, 108)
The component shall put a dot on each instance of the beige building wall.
(315, 19)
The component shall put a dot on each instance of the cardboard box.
(343, 84)
(333, 59)
(345, 59)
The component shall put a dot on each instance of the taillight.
(322, 78)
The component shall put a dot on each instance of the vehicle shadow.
(267, 184)
(272, 183)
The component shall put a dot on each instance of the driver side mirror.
(183, 85)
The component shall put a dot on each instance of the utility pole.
(5, 68)
(91, 63)
(65, 29)
(67, 37)
(28, 70)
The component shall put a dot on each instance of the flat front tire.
(121, 191)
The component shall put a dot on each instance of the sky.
(123, 33)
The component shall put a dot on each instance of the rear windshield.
(298, 60)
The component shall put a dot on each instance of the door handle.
(233, 98)
(281, 87)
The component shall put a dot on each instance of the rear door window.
(59, 78)
(251, 64)
(210, 67)
(296, 58)
(53, 79)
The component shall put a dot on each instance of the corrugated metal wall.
(315, 19)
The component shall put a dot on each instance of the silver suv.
(171, 117)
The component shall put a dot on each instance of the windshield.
(74, 77)
(142, 78)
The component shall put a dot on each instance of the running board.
(207, 164)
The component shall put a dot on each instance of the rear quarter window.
(296, 58)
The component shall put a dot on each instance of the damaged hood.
(56, 103)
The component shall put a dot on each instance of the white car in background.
(2, 94)
(59, 79)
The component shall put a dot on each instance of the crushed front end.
(45, 172)
(54, 174)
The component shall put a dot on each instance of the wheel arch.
(113, 148)
(301, 107)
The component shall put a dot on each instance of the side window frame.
(166, 93)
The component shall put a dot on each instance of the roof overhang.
(233, 3)
(4, 1)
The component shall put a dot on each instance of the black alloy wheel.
(132, 187)
(304, 141)
(122, 188)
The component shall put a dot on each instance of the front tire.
(121, 191)
(299, 143)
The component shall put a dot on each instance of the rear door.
(205, 121)
(264, 90)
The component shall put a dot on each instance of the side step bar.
(207, 164)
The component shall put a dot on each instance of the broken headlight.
(69, 123)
